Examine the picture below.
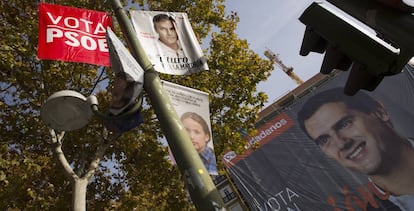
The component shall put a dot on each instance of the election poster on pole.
(169, 42)
(73, 34)
(127, 86)
(192, 107)
(129, 76)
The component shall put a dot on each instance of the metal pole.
(199, 183)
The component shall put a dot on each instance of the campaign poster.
(328, 151)
(169, 42)
(127, 86)
(129, 75)
(73, 34)
(192, 107)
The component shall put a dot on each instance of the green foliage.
(140, 176)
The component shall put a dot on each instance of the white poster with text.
(169, 42)
(192, 107)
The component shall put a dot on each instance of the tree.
(133, 172)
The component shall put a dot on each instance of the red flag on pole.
(73, 34)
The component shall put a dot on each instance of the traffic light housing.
(358, 47)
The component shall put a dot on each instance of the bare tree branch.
(60, 155)
(103, 146)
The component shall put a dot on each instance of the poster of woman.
(192, 106)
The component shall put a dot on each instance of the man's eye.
(345, 123)
(321, 141)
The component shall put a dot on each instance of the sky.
(276, 22)
(274, 25)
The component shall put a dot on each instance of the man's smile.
(357, 152)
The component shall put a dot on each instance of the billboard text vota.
(335, 152)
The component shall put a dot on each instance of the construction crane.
(288, 70)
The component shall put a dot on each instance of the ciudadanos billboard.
(329, 151)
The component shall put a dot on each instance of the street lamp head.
(66, 110)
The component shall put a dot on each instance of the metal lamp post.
(199, 183)
(66, 110)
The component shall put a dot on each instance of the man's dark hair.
(161, 17)
(359, 102)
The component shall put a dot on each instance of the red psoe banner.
(73, 34)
